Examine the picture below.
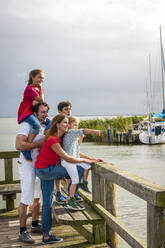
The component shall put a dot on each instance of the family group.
(49, 152)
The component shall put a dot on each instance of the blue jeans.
(47, 177)
(34, 123)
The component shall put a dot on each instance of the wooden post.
(8, 170)
(122, 138)
(9, 179)
(98, 196)
(129, 136)
(114, 135)
(111, 206)
(155, 227)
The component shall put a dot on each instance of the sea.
(144, 161)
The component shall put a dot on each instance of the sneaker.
(60, 199)
(27, 155)
(72, 204)
(25, 237)
(81, 207)
(52, 239)
(78, 198)
(36, 229)
(84, 186)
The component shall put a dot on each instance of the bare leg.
(85, 175)
(72, 191)
(58, 184)
(23, 213)
(35, 209)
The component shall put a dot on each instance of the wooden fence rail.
(105, 177)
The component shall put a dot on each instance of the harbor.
(141, 160)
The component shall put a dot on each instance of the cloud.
(88, 49)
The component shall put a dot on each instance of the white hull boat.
(152, 132)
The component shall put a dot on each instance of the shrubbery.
(122, 124)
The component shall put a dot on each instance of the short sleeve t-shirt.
(70, 142)
(24, 129)
(47, 156)
(25, 108)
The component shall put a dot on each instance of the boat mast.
(150, 85)
(162, 66)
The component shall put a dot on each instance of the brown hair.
(33, 73)
(61, 105)
(73, 119)
(35, 108)
(53, 127)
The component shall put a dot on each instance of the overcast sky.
(94, 53)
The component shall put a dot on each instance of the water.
(142, 160)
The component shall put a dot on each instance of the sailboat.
(151, 130)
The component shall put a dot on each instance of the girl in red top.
(48, 169)
(32, 95)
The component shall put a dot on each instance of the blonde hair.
(32, 74)
(53, 127)
(72, 119)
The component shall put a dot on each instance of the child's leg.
(73, 173)
(84, 184)
(58, 183)
(85, 175)
(35, 127)
(60, 199)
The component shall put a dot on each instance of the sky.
(95, 53)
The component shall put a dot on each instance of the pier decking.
(9, 228)
(102, 204)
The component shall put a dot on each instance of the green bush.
(122, 124)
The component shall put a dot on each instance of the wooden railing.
(9, 187)
(105, 177)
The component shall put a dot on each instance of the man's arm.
(22, 143)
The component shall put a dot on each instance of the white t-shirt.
(24, 129)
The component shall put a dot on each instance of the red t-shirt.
(47, 156)
(25, 108)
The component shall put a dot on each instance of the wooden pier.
(125, 138)
(98, 223)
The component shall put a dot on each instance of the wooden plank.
(155, 227)
(10, 189)
(71, 217)
(61, 215)
(146, 190)
(91, 214)
(115, 224)
(84, 232)
(9, 154)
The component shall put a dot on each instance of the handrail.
(104, 179)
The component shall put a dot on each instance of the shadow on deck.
(9, 229)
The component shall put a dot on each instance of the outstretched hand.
(98, 133)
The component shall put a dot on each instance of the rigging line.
(150, 82)
(162, 66)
